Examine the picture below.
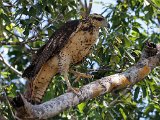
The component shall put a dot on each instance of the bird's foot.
(80, 75)
(74, 90)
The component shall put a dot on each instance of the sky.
(97, 5)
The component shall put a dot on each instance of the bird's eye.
(98, 18)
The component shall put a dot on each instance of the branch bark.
(149, 60)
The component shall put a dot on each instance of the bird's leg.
(63, 64)
(80, 75)
(69, 86)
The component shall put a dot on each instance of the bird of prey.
(68, 45)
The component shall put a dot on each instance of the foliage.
(29, 23)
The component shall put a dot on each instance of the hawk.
(68, 45)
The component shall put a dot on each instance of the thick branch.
(150, 59)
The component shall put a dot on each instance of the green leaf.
(5, 74)
(149, 108)
(131, 58)
(81, 107)
(157, 2)
(123, 114)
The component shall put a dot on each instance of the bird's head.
(98, 20)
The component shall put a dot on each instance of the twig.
(153, 4)
(8, 65)
(90, 6)
(10, 43)
(8, 102)
(103, 69)
(123, 94)
(2, 117)
(31, 39)
(86, 7)
(23, 43)
(14, 34)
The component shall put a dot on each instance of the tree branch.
(8, 103)
(86, 6)
(10, 43)
(29, 40)
(150, 59)
(8, 65)
(90, 6)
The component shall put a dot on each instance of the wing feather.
(56, 42)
